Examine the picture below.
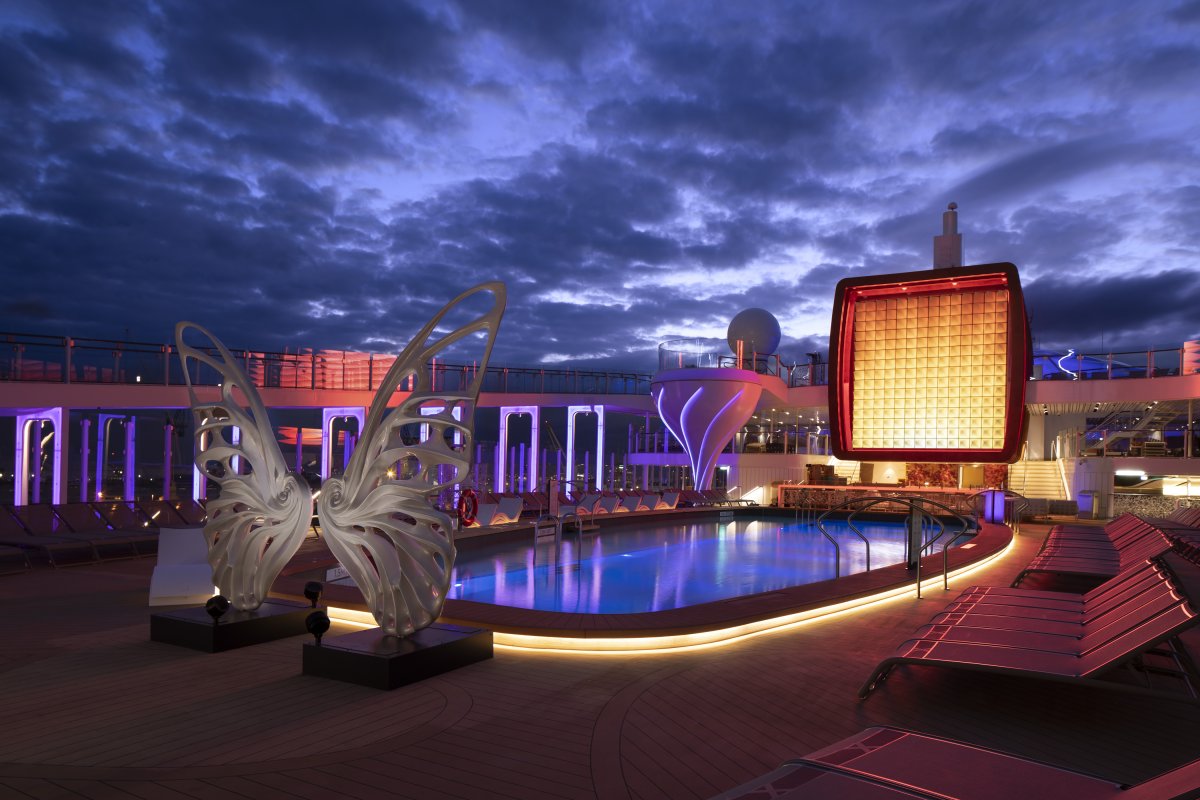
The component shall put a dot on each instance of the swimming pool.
(626, 570)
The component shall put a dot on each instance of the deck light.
(317, 623)
(313, 591)
(216, 606)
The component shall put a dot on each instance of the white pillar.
(328, 415)
(168, 434)
(25, 425)
(84, 457)
(572, 412)
(534, 412)
(130, 458)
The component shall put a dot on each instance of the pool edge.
(702, 625)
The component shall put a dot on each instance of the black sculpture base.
(194, 628)
(369, 658)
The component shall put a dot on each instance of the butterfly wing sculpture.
(377, 518)
(258, 520)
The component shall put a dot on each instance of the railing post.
(67, 344)
(1149, 363)
(166, 354)
(313, 373)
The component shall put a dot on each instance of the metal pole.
(85, 426)
(35, 432)
(168, 433)
(130, 457)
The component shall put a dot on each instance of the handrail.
(537, 526)
(912, 503)
(58, 359)
(837, 551)
(946, 547)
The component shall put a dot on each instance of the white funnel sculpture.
(703, 409)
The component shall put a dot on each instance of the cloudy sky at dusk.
(328, 174)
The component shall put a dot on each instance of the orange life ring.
(468, 508)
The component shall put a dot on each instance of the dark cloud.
(319, 175)
(1077, 310)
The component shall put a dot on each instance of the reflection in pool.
(652, 568)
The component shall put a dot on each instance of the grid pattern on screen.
(930, 371)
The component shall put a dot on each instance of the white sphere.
(758, 330)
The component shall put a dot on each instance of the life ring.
(468, 508)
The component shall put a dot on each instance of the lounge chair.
(635, 501)
(586, 505)
(162, 514)
(667, 502)
(1187, 516)
(608, 504)
(57, 550)
(1079, 657)
(43, 520)
(1131, 541)
(534, 502)
(193, 513)
(505, 511)
(111, 520)
(886, 763)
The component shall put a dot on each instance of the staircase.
(1036, 479)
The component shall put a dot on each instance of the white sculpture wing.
(377, 518)
(259, 519)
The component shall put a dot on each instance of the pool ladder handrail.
(807, 505)
(559, 524)
(913, 504)
(963, 531)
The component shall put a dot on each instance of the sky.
(327, 175)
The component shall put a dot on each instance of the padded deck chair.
(635, 501)
(667, 502)
(608, 504)
(58, 550)
(586, 505)
(44, 520)
(505, 511)
(1078, 660)
(886, 763)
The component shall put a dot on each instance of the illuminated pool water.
(657, 567)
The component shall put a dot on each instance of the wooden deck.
(89, 707)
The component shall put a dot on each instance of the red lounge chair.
(1090, 650)
(887, 763)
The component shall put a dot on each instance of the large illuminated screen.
(930, 366)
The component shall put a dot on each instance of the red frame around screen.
(1018, 358)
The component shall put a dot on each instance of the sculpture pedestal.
(193, 627)
(370, 658)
